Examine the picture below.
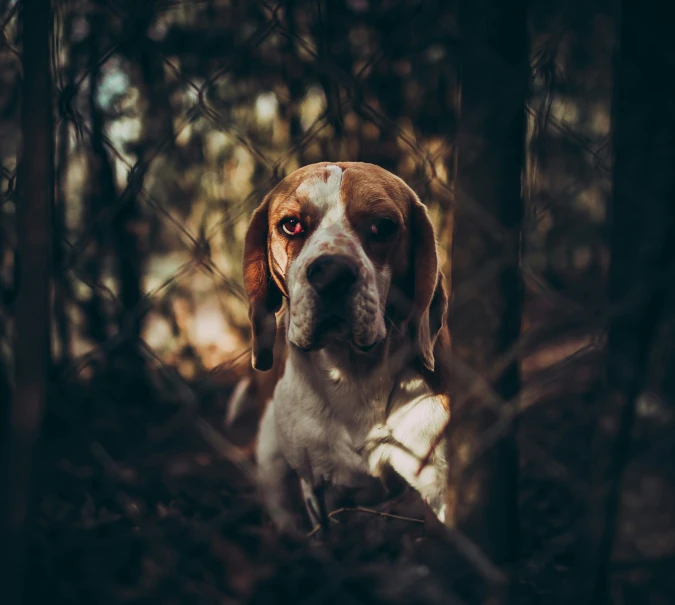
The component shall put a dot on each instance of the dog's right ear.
(264, 296)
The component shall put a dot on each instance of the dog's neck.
(346, 379)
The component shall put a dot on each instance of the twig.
(368, 511)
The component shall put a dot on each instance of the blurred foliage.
(175, 119)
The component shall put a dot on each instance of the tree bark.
(642, 242)
(32, 315)
(485, 312)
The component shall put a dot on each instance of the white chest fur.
(326, 423)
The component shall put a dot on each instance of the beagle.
(350, 249)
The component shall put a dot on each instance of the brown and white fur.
(364, 385)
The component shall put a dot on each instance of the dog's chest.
(345, 414)
(355, 410)
(357, 405)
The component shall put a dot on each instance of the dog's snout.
(332, 275)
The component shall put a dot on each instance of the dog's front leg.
(276, 479)
(405, 442)
(429, 480)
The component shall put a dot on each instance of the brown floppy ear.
(264, 296)
(430, 298)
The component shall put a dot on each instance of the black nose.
(332, 275)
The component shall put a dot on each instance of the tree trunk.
(32, 310)
(485, 312)
(642, 244)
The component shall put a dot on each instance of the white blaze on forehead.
(325, 193)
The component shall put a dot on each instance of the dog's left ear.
(264, 296)
(430, 298)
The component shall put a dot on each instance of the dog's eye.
(382, 229)
(292, 227)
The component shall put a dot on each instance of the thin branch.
(361, 509)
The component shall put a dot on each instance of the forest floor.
(145, 498)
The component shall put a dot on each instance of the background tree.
(485, 313)
(641, 274)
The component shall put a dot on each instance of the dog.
(343, 255)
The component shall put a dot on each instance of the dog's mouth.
(323, 343)
(364, 348)
(334, 329)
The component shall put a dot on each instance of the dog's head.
(353, 250)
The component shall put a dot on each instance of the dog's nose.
(332, 275)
